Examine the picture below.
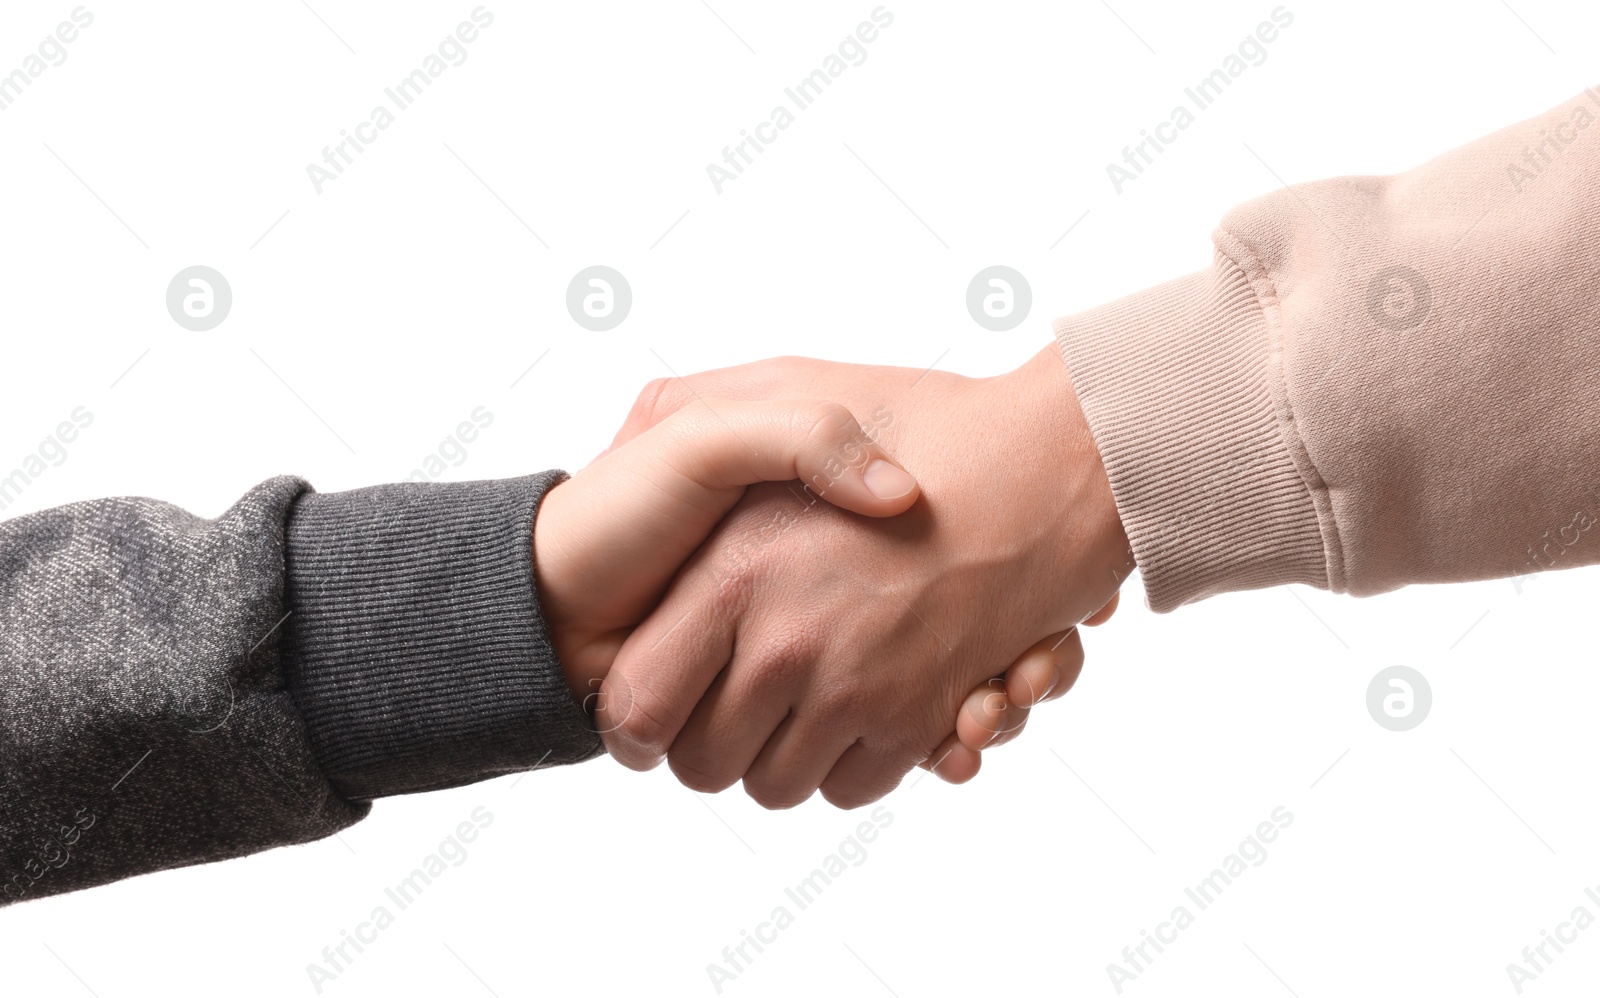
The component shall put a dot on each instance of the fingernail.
(886, 480)
(1055, 680)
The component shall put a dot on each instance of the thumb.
(703, 455)
(736, 444)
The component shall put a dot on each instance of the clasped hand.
(806, 575)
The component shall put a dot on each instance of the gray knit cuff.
(415, 647)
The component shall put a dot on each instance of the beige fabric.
(1379, 381)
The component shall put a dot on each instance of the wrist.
(560, 599)
(1088, 534)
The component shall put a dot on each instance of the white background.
(411, 291)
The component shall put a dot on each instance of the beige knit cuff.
(1181, 385)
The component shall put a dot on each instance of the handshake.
(807, 575)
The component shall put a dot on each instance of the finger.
(1103, 614)
(862, 775)
(988, 718)
(1016, 721)
(653, 404)
(996, 712)
(642, 704)
(1047, 670)
(953, 762)
(794, 763)
(665, 396)
(983, 714)
(727, 730)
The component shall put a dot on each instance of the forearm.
(179, 690)
(1380, 380)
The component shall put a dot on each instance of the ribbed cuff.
(414, 644)
(1181, 390)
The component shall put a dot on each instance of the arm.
(179, 690)
(1379, 381)
(176, 690)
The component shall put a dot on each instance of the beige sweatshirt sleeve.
(1379, 380)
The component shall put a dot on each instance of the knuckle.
(695, 777)
(733, 569)
(832, 421)
(848, 798)
(842, 702)
(785, 662)
(868, 780)
(653, 401)
(833, 441)
(774, 796)
(777, 371)
(733, 577)
(643, 732)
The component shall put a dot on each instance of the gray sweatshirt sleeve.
(176, 690)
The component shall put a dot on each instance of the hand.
(804, 648)
(608, 541)
(997, 711)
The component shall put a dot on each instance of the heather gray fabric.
(175, 690)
